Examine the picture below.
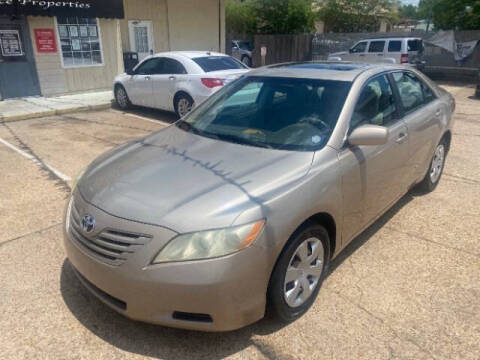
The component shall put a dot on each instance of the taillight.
(212, 82)
(404, 59)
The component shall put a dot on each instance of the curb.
(49, 112)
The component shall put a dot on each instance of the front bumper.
(211, 295)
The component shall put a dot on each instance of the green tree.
(456, 14)
(408, 12)
(354, 15)
(270, 16)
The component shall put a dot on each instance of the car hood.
(187, 182)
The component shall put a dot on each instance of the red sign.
(45, 40)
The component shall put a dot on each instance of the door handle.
(172, 78)
(379, 54)
(147, 77)
(362, 55)
(401, 138)
(438, 113)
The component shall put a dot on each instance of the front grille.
(111, 246)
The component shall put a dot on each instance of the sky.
(406, 2)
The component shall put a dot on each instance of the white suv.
(390, 50)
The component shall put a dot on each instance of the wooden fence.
(283, 48)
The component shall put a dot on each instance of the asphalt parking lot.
(408, 288)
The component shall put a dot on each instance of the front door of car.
(166, 82)
(373, 176)
(140, 86)
(358, 52)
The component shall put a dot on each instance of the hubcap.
(184, 107)
(121, 97)
(437, 163)
(303, 272)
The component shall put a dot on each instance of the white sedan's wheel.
(121, 98)
(183, 105)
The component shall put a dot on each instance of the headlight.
(209, 244)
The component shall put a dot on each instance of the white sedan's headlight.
(209, 244)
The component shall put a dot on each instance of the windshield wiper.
(242, 140)
(182, 124)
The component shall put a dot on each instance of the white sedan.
(176, 81)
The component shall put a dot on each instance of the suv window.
(171, 66)
(410, 89)
(376, 104)
(395, 46)
(376, 46)
(415, 45)
(359, 48)
(149, 67)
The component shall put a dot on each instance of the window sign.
(10, 43)
(80, 41)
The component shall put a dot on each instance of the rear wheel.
(299, 273)
(121, 97)
(183, 104)
(435, 171)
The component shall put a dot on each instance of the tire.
(435, 169)
(287, 299)
(183, 104)
(246, 60)
(121, 98)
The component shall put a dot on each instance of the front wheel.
(435, 170)
(299, 273)
(121, 98)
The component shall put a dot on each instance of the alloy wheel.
(437, 163)
(184, 106)
(303, 272)
(122, 97)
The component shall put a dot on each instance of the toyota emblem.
(88, 223)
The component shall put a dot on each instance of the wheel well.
(326, 220)
(181, 92)
(117, 85)
(448, 139)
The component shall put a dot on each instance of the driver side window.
(149, 67)
(376, 104)
(359, 48)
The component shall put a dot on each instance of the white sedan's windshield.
(280, 113)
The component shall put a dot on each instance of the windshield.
(279, 113)
(218, 63)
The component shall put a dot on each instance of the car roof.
(323, 70)
(190, 54)
(391, 38)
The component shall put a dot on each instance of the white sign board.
(263, 51)
(10, 43)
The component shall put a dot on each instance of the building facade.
(59, 47)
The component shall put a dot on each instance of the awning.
(79, 8)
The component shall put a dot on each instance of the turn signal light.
(212, 82)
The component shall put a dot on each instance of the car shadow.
(162, 342)
(152, 114)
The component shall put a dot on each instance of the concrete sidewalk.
(33, 107)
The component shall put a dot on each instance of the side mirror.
(130, 72)
(350, 51)
(369, 135)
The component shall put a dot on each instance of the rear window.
(376, 46)
(394, 46)
(218, 63)
(415, 45)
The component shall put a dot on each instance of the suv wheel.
(299, 273)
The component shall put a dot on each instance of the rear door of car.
(376, 51)
(373, 176)
(422, 113)
(172, 73)
(394, 50)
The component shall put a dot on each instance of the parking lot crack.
(52, 174)
(28, 234)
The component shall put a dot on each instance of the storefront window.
(80, 41)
